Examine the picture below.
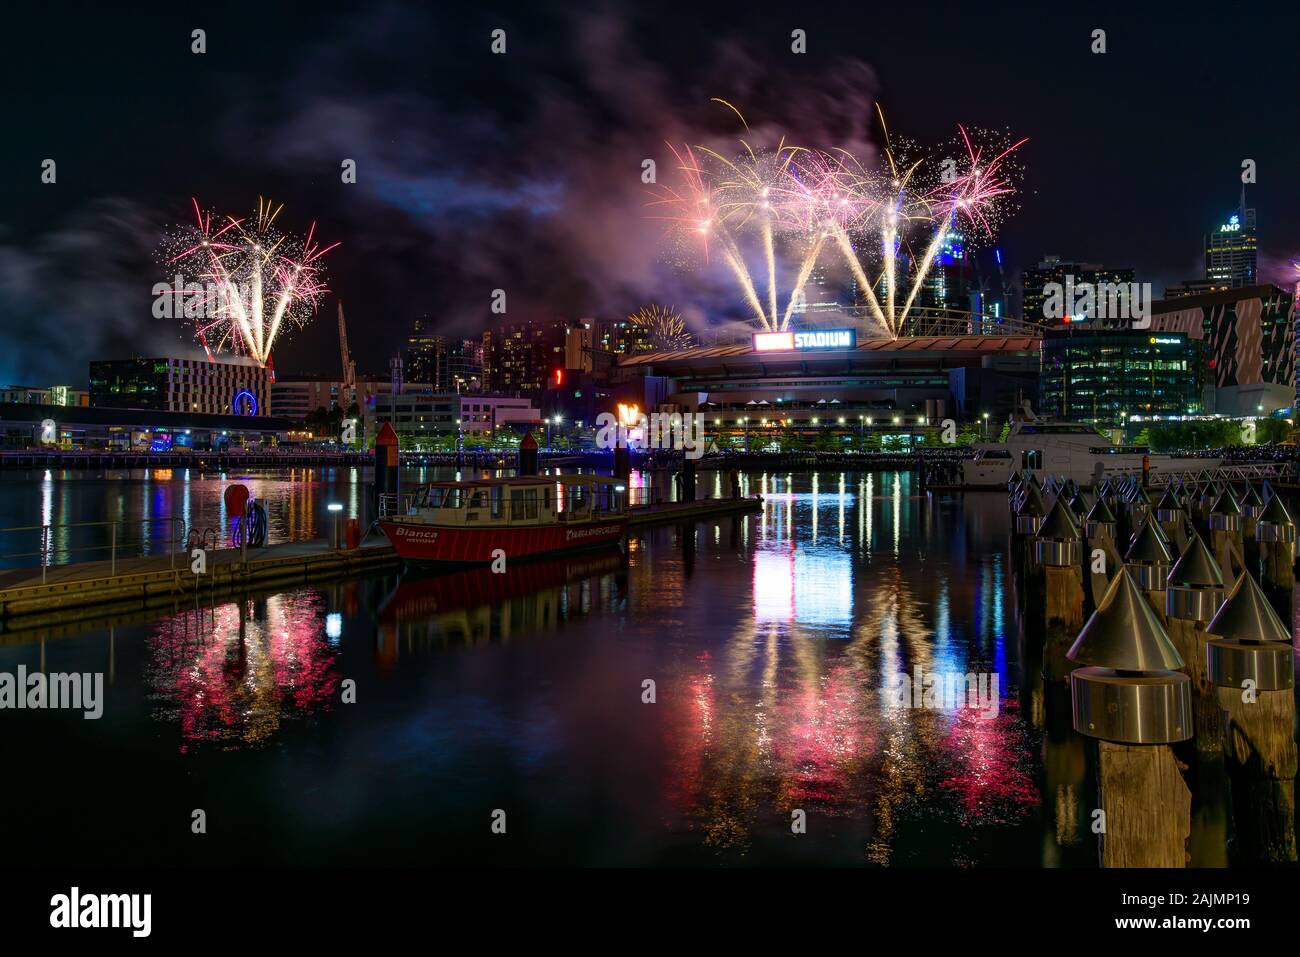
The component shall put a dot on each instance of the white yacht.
(1070, 449)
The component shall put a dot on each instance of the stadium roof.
(979, 345)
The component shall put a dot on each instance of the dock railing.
(65, 543)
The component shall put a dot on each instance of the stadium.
(965, 366)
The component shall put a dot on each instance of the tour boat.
(1068, 449)
(476, 522)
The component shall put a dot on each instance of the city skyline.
(493, 188)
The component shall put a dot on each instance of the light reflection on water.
(769, 640)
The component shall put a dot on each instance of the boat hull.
(455, 545)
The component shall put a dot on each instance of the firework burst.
(887, 222)
(246, 283)
(664, 327)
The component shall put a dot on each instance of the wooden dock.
(86, 589)
(663, 513)
(101, 590)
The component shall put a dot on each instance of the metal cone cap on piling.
(1128, 691)
(1059, 524)
(1057, 542)
(1101, 513)
(1246, 615)
(1149, 547)
(1249, 645)
(1168, 502)
(1032, 503)
(1275, 514)
(1194, 587)
(1225, 504)
(1196, 567)
(1124, 633)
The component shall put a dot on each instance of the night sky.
(522, 171)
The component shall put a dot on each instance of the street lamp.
(985, 433)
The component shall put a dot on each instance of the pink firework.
(245, 282)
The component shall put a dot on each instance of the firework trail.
(246, 281)
(664, 327)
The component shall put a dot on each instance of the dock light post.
(1252, 668)
(744, 420)
(1129, 696)
(335, 509)
(985, 431)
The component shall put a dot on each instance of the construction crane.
(348, 395)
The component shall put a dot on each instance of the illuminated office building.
(1230, 251)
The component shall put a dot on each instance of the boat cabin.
(522, 500)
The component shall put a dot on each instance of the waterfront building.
(431, 417)
(44, 395)
(28, 425)
(1194, 287)
(294, 397)
(169, 384)
(1247, 337)
(519, 358)
(1104, 376)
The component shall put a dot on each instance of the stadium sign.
(812, 340)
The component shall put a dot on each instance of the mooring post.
(1170, 514)
(1195, 592)
(1149, 558)
(1251, 507)
(1030, 510)
(1275, 533)
(1129, 697)
(1139, 506)
(1251, 665)
(1225, 528)
(1207, 493)
(1058, 551)
(528, 455)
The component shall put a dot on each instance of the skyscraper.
(421, 354)
(1230, 249)
(443, 363)
(1052, 270)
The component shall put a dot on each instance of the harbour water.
(773, 643)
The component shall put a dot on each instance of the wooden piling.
(1259, 749)
(1147, 804)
